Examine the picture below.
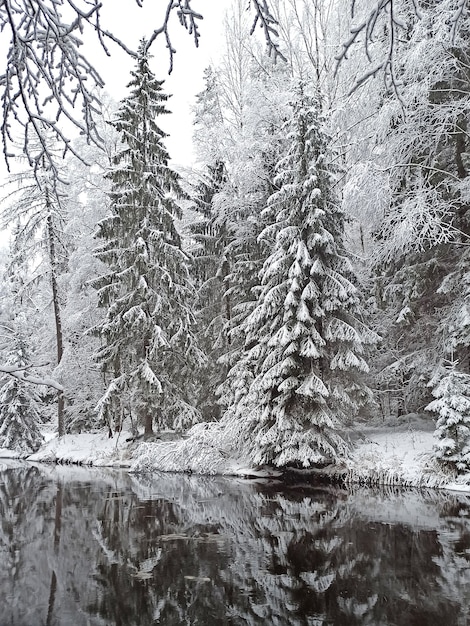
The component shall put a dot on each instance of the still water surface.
(93, 547)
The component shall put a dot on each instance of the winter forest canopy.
(312, 270)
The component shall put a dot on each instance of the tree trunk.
(57, 531)
(57, 315)
(148, 425)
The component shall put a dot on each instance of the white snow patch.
(400, 457)
(5, 453)
(85, 449)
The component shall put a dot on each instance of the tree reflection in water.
(96, 547)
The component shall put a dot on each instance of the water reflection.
(95, 547)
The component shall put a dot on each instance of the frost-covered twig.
(46, 78)
(188, 18)
(366, 32)
(268, 23)
(458, 14)
(21, 373)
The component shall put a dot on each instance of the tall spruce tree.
(244, 132)
(210, 266)
(304, 339)
(148, 345)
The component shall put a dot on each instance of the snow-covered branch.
(265, 19)
(386, 22)
(188, 18)
(22, 373)
(46, 79)
(366, 32)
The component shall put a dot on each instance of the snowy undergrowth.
(399, 456)
(205, 451)
(188, 455)
(11, 454)
(382, 456)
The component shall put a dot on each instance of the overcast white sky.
(131, 23)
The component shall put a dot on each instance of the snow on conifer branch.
(452, 405)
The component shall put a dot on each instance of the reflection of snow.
(349, 605)
(147, 566)
(262, 552)
(318, 583)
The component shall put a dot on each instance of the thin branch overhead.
(47, 80)
(365, 33)
(268, 23)
(188, 18)
(48, 84)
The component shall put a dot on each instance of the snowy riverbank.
(399, 455)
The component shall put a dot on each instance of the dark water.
(94, 548)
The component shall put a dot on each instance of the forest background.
(309, 272)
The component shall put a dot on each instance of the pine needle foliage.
(148, 349)
(209, 270)
(452, 405)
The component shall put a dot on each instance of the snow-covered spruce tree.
(239, 119)
(148, 349)
(19, 415)
(452, 405)
(304, 339)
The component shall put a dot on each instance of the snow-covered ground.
(399, 455)
(96, 449)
